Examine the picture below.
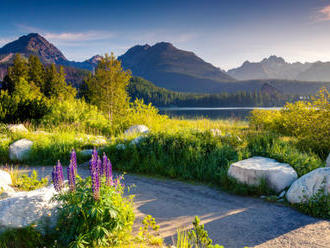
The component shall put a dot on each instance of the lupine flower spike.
(74, 160)
(57, 176)
(71, 172)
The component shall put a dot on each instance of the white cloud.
(322, 14)
(4, 41)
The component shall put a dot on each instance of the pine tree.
(18, 70)
(36, 72)
(56, 86)
(108, 87)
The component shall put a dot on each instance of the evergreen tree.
(36, 72)
(18, 70)
(108, 87)
(56, 86)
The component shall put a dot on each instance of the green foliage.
(148, 224)
(25, 182)
(107, 88)
(78, 114)
(318, 205)
(85, 222)
(196, 238)
(309, 122)
(22, 238)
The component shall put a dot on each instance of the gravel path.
(232, 221)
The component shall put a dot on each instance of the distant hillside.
(172, 68)
(266, 96)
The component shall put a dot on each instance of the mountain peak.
(273, 59)
(34, 44)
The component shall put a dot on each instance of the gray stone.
(87, 152)
(17, 128)
(328, 161)
(20, 150)
(308, 185)
(251, 171)
(137, 129)
(26, 208)
(137, 140)
(120, 147)
(282, 194)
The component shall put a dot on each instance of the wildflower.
(74, 159)
(99, 166)
(71, 176)
(57, 176)
(95, 184)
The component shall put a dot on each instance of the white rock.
(5, 178)
(137, 129)
(282, 194)
(137, 140)
(328, 161)
(215, 132)
(20, 149)
(308, 185)
(120, 147)
(87, 152)
(250, 171)
(25, 208)
(17, 128)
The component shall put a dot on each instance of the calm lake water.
(212, 113)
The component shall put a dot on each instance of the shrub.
(308, 121)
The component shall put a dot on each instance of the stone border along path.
(232, 221)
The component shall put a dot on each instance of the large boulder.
(251, 171)
(137, 129)
(5, 178)
(308, 185)
(5, 182)
(17, 128)
(20, 150)
(328, 161)
(26, 208)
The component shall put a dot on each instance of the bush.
(85, 221)
(309, 122)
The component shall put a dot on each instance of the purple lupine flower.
(74, 159)
(99, 166)
(109, 173)
(57, 176)
(95, 184)
(71, 176)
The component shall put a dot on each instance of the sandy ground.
(232, 221)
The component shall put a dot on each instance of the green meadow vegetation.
(38, 96)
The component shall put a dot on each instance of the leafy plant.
(25, 182)
(93, 212)
(196, 238)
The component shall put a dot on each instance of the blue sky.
(224, 33)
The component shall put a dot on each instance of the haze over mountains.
(174, 69)
(277, 67)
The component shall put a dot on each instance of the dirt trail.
(232, 221)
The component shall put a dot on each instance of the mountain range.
(276, 67)
(178, 70)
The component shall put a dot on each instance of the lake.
(212, 113)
